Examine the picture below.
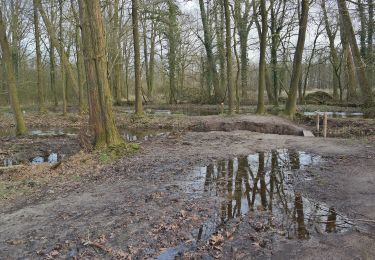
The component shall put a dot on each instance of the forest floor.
(194, 189)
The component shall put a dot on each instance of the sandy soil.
(142, 205)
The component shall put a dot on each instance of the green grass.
(112, 153)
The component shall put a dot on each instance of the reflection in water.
(331, 220)
(9, 162)
(52, 158)
(262, 182)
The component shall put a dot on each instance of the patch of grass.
(369, 112)
(9, 190)
(113, 153)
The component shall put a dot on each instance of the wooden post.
(317, 122)
(325, 119)
(222, 108)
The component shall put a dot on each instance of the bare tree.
(11, 80)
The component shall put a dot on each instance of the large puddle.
(263, 183)
(130, 135)
(336, 114)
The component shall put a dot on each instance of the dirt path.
(152, 202)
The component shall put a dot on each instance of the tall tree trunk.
(15, 9)
(100, 100)
(40, 85)
(366, 90)
(116, 49)
(59, 47)
(243, 25)
(362, 31)
(145, 55)
(62, 70)
(274, 46)
(370, 35)
(219, 22)
(52, 65)
(12, 87)
(212, 77)
(262, 58)
(53, 73)
(228, 45)
(172, 54)
(137, 59)
(237, 83)
(79, 61)
(334, 55)
(350, 75)
(291, 105)
(151, 70)
(269, 89)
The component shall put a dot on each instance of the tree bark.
(334, 55)
(291, 105)
(262, 58)
(228, 45)
(370, 35)
(52, 65)
(172, 35)
(11, 80)
(61, 48)
(212, 77)
(137, 59)
(347, 27)
(40, 85)
(100, 99)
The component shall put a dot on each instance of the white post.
(325, 121)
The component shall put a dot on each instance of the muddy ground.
(152, 203)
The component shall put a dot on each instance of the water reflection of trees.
(261, 182)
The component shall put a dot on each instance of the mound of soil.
(318, 97)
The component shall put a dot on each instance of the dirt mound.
(259, 124)
(318, 97)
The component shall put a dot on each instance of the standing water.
(262, 182)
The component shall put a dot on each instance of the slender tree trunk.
(62, 70)
(274, 46)
(53, 73)
(228, 45)
(237, 81)
(212, 77)
(40, 85)
(137, 59)
(12, 87)
(370, 32)
(351, 94)
(81, 74)
(79, 61)
(219, 21)
(269, 89)
(100, 99)
(334, 55)
(362, 31)
(152, 60)
(15, 9)
(291, 105)
(116, 48)
(145, 55)
(172, 54)
(366, 90)
(262, 58)
(59, 46)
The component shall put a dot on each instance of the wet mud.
(224, 194)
